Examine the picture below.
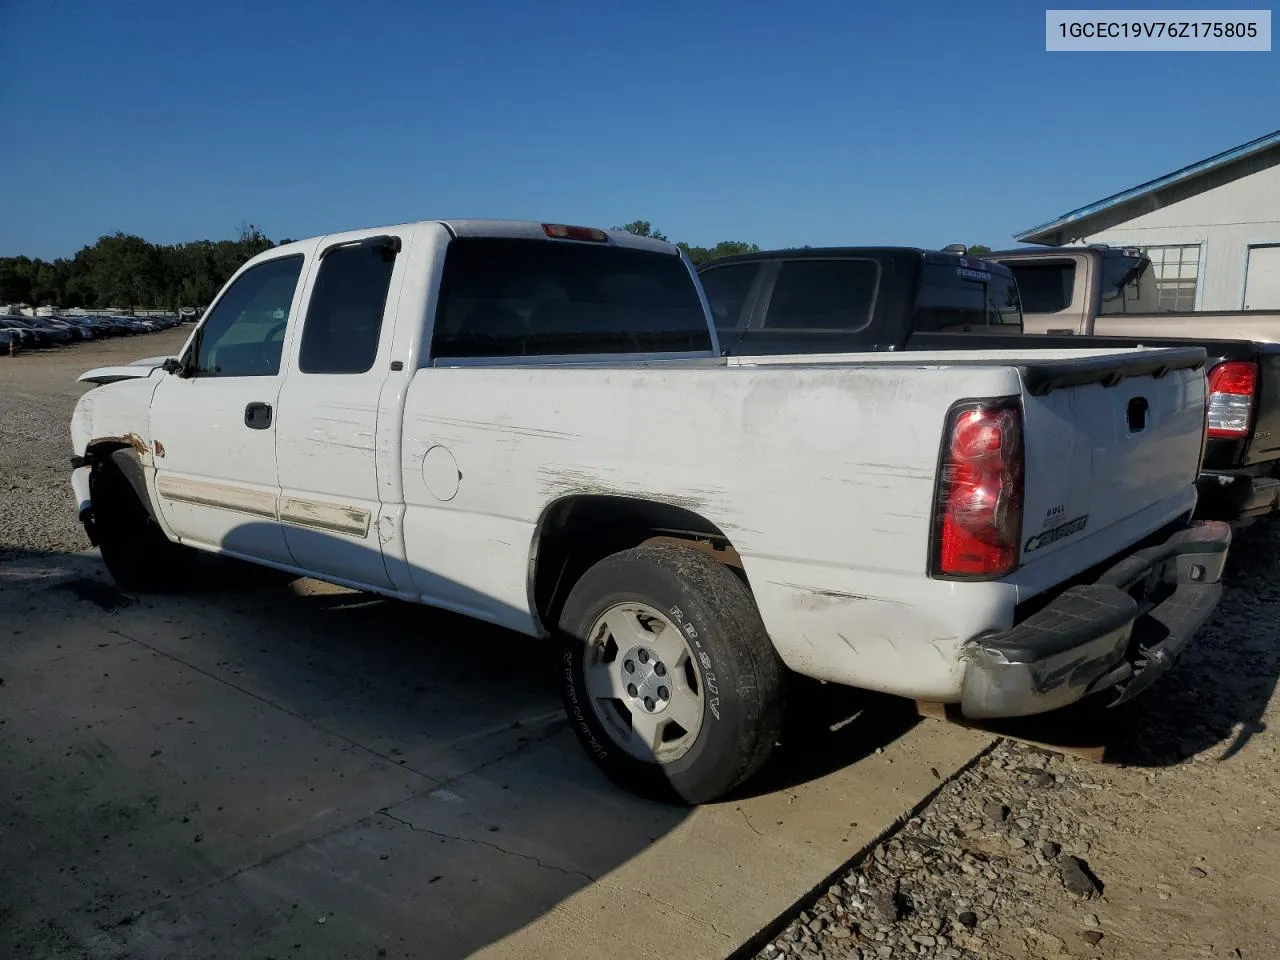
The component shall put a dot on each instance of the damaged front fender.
(106, 420)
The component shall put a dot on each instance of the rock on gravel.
(883, 906)
(1079, 879)
(995, 812)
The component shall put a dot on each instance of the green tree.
(47, 283)
(978, 249)
(122, 270)
(725, 248)
(15, 280)
(642, 228)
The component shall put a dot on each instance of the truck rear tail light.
(978, 512)
(1231, 388)
(561, 231)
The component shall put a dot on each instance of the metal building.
(1212, 229)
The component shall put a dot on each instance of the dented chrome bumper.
(1121, 632)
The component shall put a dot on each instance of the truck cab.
(857, 298)
(1066, 289)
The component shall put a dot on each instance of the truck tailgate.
(1107, 449)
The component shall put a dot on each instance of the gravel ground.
(38, 391)
(1168, 849)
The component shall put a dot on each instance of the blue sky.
(784, 124)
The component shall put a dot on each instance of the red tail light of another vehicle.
(978, 512)
(1230, 408)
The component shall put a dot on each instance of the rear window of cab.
(517, 297)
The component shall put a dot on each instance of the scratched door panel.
(329, 408)
(216, 482)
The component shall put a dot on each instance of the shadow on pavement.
(829, 727)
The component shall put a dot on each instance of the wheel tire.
(738, 673)
(137, 554)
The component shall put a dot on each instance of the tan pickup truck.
(1110, 292)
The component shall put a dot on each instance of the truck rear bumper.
(1237, 496)
(1123, 631)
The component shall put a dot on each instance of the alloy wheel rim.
(643, 682)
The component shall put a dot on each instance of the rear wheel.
(670, 681)
(137, 554)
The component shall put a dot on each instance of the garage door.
(1262, 279)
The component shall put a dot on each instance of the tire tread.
(758, 675)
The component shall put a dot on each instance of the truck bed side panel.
(487, 450)
(1259, 325)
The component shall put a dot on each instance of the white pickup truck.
(532, 424)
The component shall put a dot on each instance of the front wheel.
(137, 554)
(670, 681)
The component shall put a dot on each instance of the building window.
(1176, 271)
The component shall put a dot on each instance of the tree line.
(122, 270)
(725, 248)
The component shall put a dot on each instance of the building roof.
(1188, 181)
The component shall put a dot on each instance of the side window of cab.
(343, 323)
(243, 335)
